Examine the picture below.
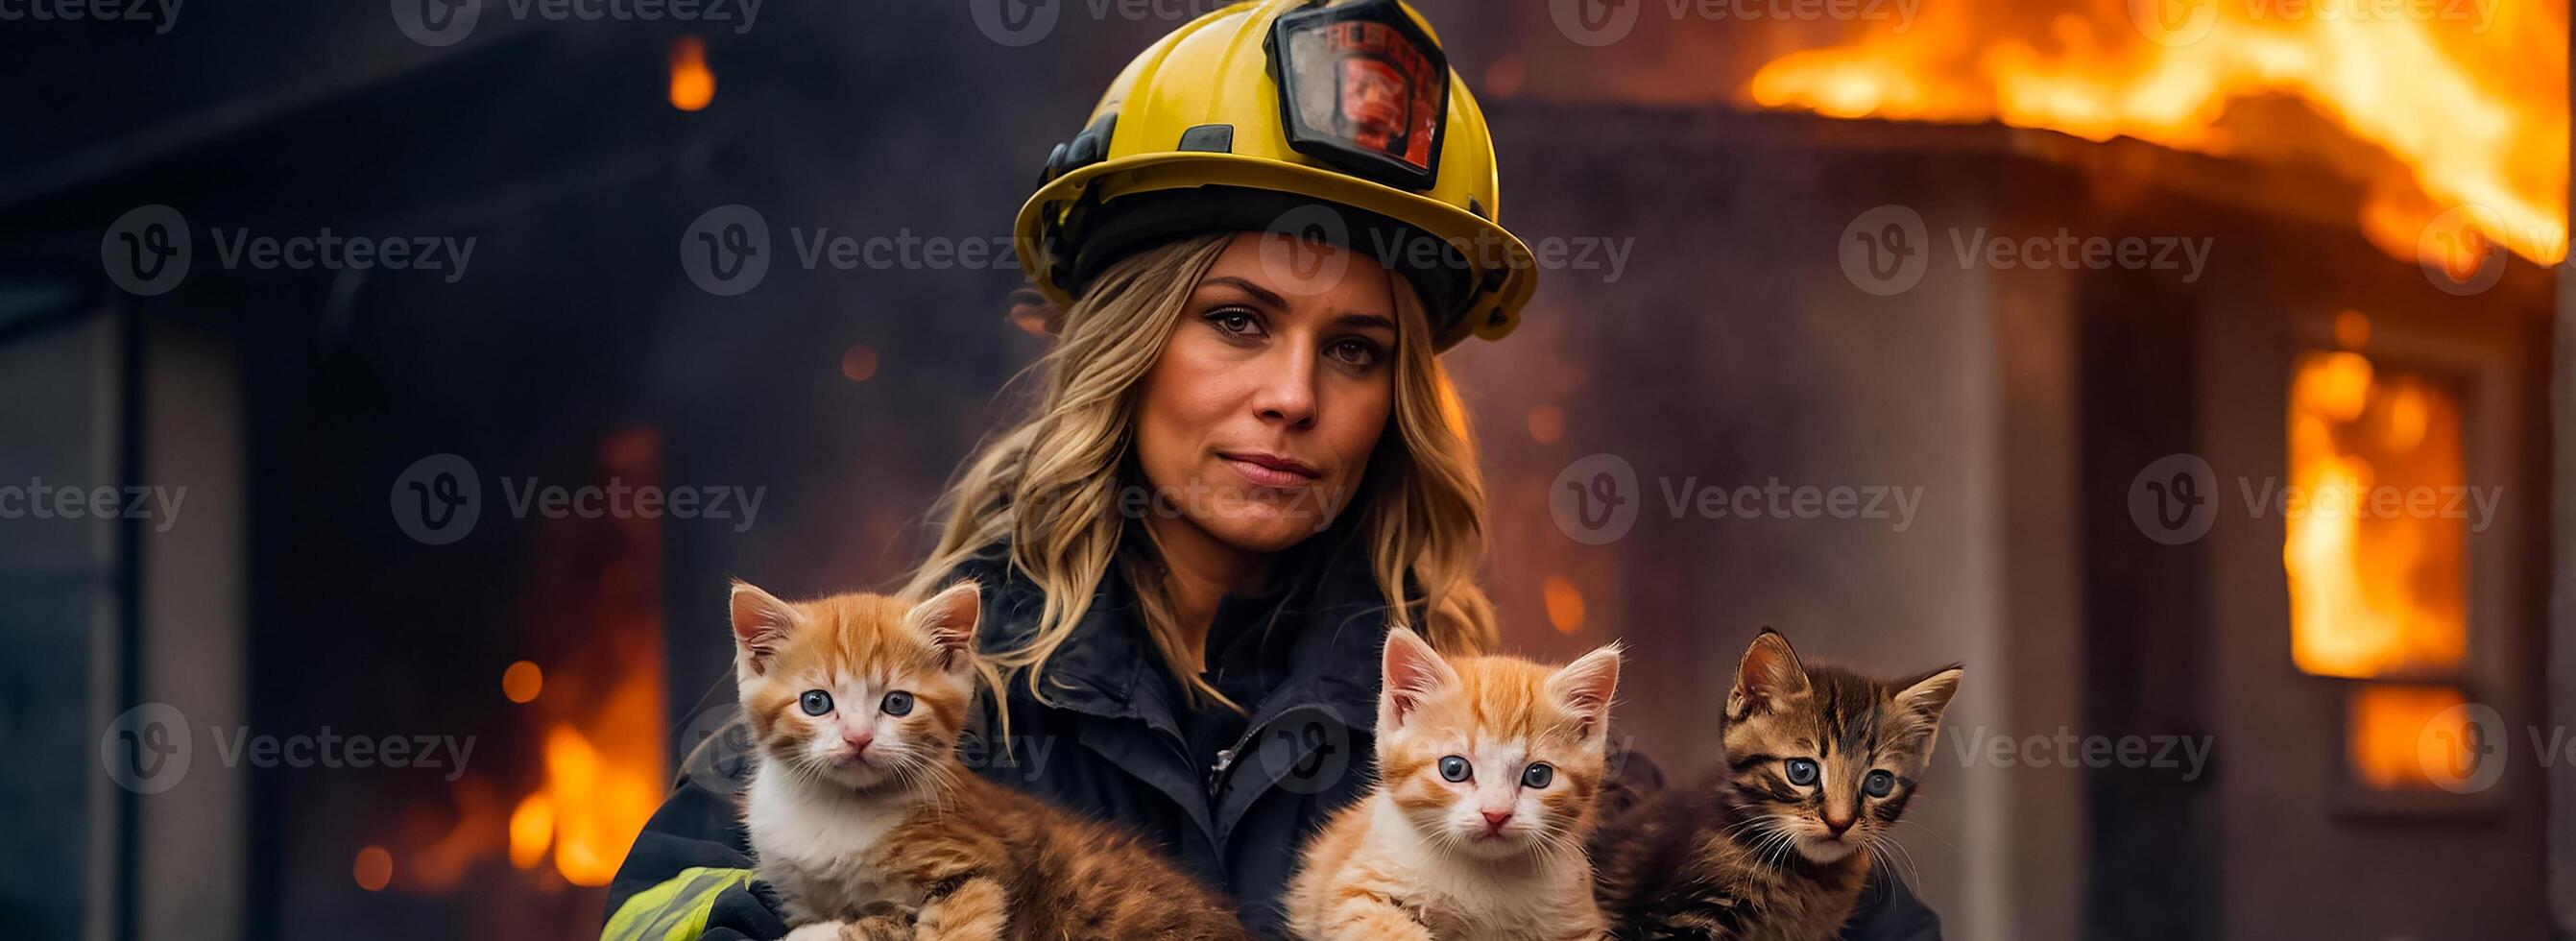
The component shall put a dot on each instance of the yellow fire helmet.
(1338, 120)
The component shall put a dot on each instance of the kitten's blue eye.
(815, 702)
(897, 703)
(1453, 768)
(1878, 784)
(1802, 771)
(1537, 776)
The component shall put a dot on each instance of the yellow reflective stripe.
(676, 910)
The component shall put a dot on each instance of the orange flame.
(2375, 573)
(2470, 99)
(2397, 732)
(693, 85)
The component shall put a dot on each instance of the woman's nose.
(1285, 391)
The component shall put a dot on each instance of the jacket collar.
(1108, 667)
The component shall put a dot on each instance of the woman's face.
(1256, 424)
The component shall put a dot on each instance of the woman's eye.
(1355, 352)
(1537, 776)
(1234, 322)
(1802, 771)
(1878, 784)
(1453, 768)
(897, 703)
(815, 702)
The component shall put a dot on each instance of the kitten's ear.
(760, 623)
(1586, 686)
(948, 621)
(1928, 696)
(1413, 672)
(1769, 676)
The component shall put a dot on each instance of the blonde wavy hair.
(1048, 485)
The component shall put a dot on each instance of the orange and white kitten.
(871, 828)
(1488, 772)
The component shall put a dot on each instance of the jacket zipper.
(1225, 759)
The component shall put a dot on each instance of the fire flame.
(2398, 733)
(2470, 98)
(595, 716)
(2375, 561)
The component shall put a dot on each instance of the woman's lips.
(1271, 470)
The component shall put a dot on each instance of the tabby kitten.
(871, 828)
(1819, 765)
(1488, 768)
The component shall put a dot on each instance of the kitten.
(871, 828)
(1819, 765)
(1488, 769)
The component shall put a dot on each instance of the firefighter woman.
(1240, 470)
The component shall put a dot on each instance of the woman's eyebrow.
(1264, 295)
(1381, 321)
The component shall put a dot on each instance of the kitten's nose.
(1494, 820)
(1836, 827)
(858, 741)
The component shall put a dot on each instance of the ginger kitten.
(871, 828)
(1488, 770)
(1778, 842)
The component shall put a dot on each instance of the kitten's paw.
(819, 931)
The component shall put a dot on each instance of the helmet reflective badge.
(1363, 89)
(1273, 110)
